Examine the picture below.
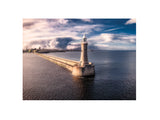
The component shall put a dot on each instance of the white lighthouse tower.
(84, 68)
(84, 56)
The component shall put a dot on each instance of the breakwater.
(71, 65)
(66, 63)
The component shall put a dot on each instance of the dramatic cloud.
(112, 29)
(67, 34)
(55, 31)
(47, 33)
(86, 20)
(102, 38)
(131, 21)
(111, 41)
(72, 46)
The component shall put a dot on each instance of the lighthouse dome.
(84, 38)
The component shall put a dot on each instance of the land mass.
(46, 50)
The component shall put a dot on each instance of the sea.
(115, 77)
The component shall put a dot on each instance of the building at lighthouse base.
(83, 71)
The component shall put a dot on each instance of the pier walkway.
(66, 63)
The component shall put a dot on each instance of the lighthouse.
(84, 56)
(84, 68)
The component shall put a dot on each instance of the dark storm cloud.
(58, 43)
(27, 25)
(63, 42)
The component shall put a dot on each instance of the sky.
(102, 34)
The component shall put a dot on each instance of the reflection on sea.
(85, 86)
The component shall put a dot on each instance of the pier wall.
(71, 65)
(68, 64)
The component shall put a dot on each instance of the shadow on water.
(85, 87)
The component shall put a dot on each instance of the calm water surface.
(115, 77)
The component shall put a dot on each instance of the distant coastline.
(57, 50)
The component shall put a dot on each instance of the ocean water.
(115, 77)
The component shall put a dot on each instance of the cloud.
(62, 43)
(131, 21)
(107, 41)
(86, 20)
(53, 29)
(102, 46)
(67, 34)
(86, 28)
(72, 46)
(57, 43)
(102, 38)
(39, 43)
(62, 21)
(28, 23)
(108, 30)
(133, 41)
